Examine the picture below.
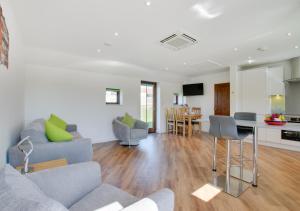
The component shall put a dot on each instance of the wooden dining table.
(190, 117)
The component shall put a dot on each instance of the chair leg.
(228, 165)
(183, 128)
(215, 154)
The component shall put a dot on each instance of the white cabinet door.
(273, 135)
(254, 97)
(275, 81)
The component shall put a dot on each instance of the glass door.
(148, 104)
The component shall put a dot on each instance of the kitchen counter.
(288, 126)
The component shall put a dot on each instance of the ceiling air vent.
(178, 41)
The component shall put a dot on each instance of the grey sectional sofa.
(76, 187)
(75, 151)
(130, 136)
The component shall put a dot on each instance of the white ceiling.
(67, 33)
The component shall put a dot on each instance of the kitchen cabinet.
(253, 88)
(275, 78)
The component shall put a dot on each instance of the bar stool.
(214, 130)
(225, 127)
(235, 171)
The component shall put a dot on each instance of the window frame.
(118, 91)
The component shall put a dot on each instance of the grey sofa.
(75, 151)
(130, 136)
(76, 187)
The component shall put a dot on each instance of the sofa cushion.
(138, 133)
(36, 131)
(58, 122)
(57, 134)
(128, 120)
(102, 196)
(19, 193)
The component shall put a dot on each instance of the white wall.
(11, 88)
(79, 97)
(206, 101)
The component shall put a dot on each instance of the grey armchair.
(130, 136)
(74, 187)
(75, 151)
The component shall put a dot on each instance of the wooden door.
(222, 99)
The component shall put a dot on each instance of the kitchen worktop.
(288, 126)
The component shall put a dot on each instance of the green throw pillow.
(128, 120)
(58, 121)
(56, 134)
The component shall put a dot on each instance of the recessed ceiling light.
(166, 68)
(250, 61)
(235, 49)
(289, 34)
(184, 63)
(148, 3)
(296, 46)
(116, 34)
(99, 50)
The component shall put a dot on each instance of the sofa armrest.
(164, 199)
(71, 128)
(68, 184)
(121, 130)
(74, 152)
(140, 125)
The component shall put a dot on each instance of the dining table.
(190, 117)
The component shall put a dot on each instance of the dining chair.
(170, 120)
(196, 123)
(180, 121)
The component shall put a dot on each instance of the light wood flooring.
(184, 165)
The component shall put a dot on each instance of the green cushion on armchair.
(128, 120)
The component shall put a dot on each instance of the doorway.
(148, 104)
(222, 99)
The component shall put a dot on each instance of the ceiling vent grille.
(178, 41)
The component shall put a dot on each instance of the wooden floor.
(184, 165)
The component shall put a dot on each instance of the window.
(175, 99)
(112, 96)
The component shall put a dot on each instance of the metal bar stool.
(226, 128)
(247, 175)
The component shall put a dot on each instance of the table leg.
(255, 139)
(190, 129)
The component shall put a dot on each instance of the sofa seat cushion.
(102, 196)
(138, 133)
(19, 193)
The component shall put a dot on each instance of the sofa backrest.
(36, 131)
(19, 193)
